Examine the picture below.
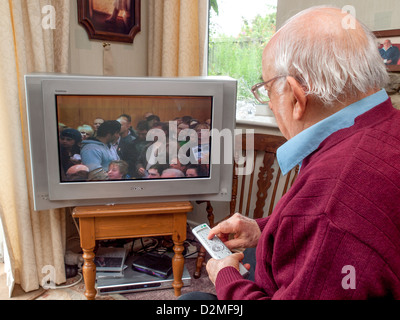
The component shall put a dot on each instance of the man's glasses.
(261, 93)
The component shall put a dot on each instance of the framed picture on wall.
(389, 48)
(110, 20)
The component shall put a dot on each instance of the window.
(238, 34)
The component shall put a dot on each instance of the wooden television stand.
(131, 221)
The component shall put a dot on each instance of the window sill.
(258, 121)
(255, 115)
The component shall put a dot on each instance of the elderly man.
(336, 232)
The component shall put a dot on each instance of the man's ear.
(299, 98)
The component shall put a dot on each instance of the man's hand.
(141, 171)
(214, 266)
(246, 232)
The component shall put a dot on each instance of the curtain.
(35, 38)
(177, 40)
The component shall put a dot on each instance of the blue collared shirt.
(295, 150)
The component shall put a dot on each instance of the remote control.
(215, 247)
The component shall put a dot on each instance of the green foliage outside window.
(240, 57)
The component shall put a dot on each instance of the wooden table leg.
(89, 268)
(199, 262)
(178, 262)
(89, 273)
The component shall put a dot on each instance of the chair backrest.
(257, 180)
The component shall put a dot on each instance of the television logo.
(137, 189)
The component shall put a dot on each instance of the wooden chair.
(251, 198)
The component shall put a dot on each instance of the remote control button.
(217, 247)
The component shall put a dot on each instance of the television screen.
(160, 137)
(98, 140)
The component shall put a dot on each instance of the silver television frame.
(50, 192)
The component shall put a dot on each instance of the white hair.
(339, 63)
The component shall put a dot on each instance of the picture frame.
(110, 20)
(394, 36)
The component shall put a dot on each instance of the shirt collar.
(294, 151)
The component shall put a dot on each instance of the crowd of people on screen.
(115, 150)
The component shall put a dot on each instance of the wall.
(87, 55)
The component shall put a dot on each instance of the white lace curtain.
(177, 41)
(35, 38)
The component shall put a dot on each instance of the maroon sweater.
(343, 210)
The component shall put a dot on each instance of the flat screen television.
(158, 140)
